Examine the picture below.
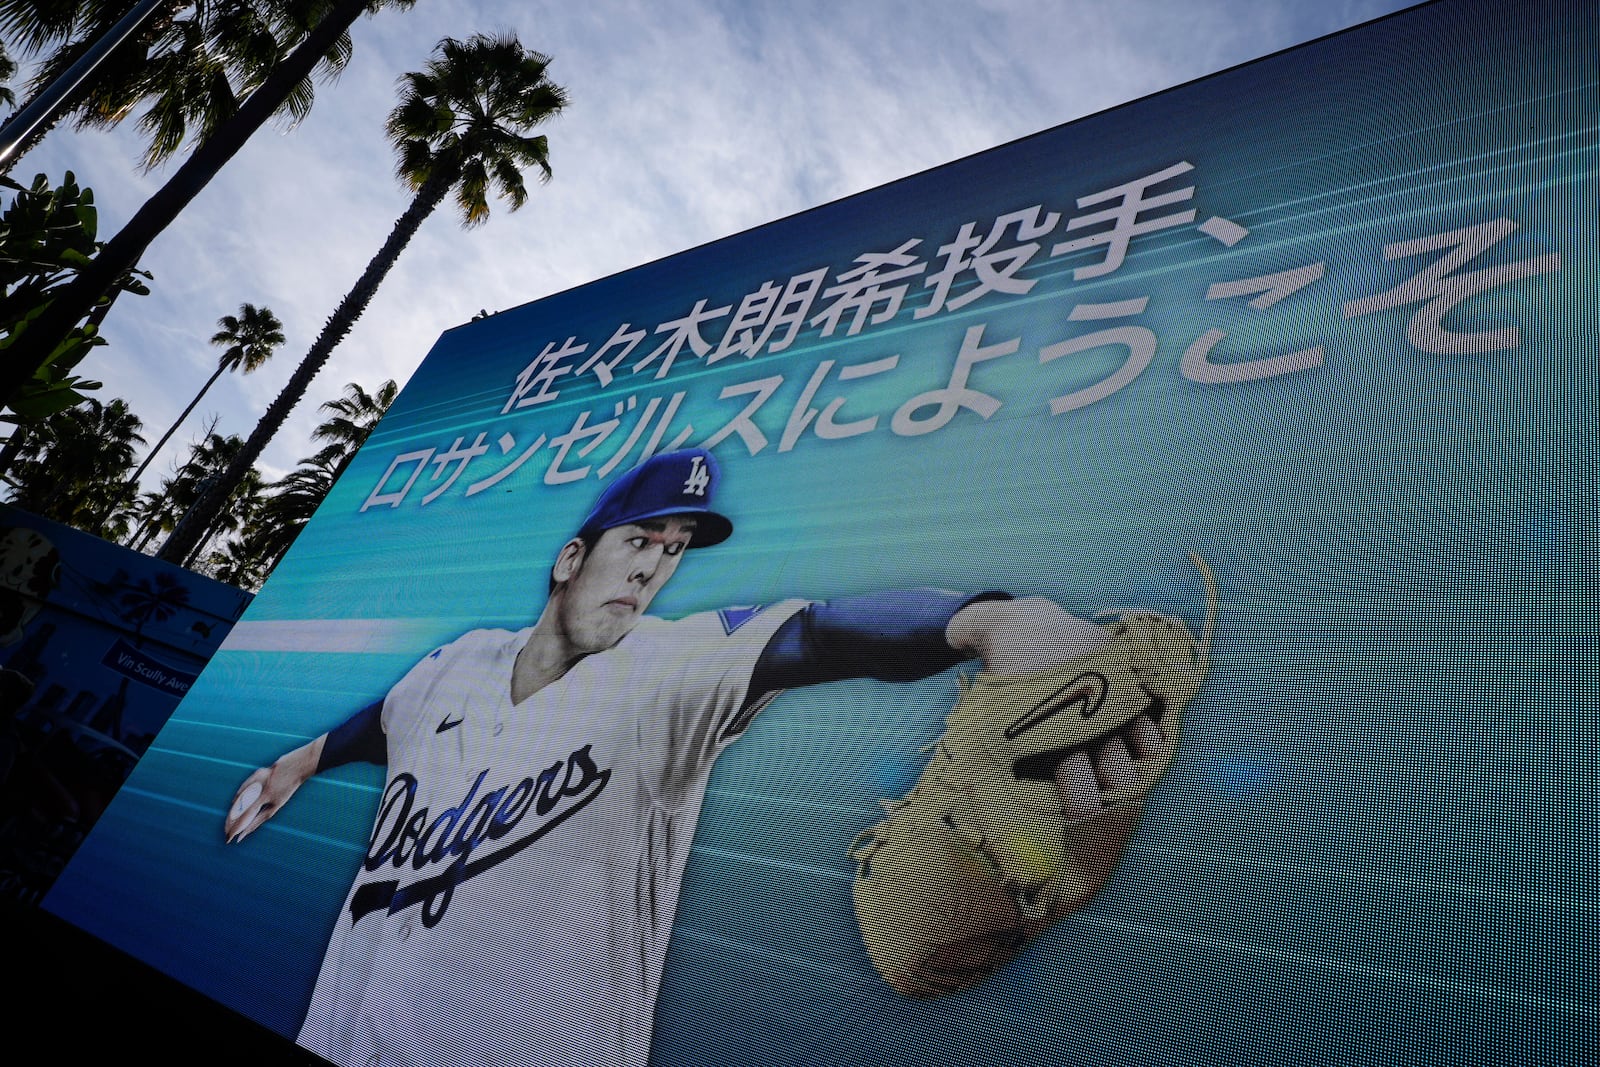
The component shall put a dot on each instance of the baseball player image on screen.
(519, 886)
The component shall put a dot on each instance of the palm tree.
(8, 70)
(287, 504)
(147, 516)
(160, 511)
(352, 418)
(239, 562)
(295, 498)
(251, 336)
(33, 350)
(461, 127)
(242, 513)
(207, 460)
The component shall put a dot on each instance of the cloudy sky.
(688, 121)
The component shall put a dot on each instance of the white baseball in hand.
(251, 794)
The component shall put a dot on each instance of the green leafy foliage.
(47, 235)
(68, 464)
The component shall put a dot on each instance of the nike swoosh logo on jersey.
(449, 724)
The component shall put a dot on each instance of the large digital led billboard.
(600, 713)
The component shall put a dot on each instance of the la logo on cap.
(699, 478)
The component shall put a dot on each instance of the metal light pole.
(43, 108)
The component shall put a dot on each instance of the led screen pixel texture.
(1327, 320)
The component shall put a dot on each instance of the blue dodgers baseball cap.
(672, 483)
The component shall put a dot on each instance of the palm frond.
(470, 111)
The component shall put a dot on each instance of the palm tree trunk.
(151, 527)
(207, 536)
(281, 551)
(194, 553)
(189, 530)
(133, 483)
(75, 300)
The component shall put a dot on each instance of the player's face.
(613, 583)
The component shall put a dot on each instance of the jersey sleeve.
(358, 738)
(894, 637)
(363, 736)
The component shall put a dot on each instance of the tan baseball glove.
(980, 857)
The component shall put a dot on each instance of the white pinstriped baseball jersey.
(519, 887)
